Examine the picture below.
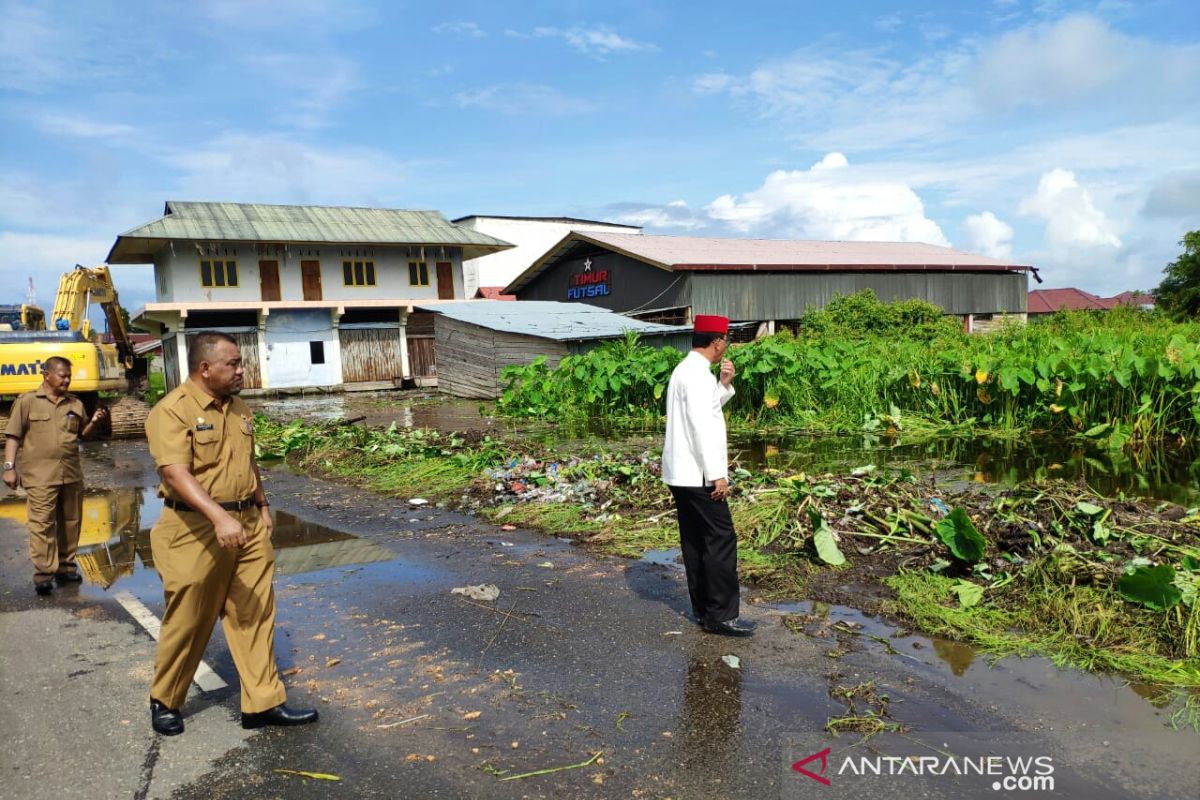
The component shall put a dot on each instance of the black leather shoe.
(165, 720)
(732, 627)
(43, 587)
(279, 715)
(68, 577)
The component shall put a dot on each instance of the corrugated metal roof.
(578, 220)
(706, 253)
(546, 319)
(244, 222)
(1047, 301)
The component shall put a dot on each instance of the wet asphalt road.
(424, 693)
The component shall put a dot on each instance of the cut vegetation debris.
(1051, 568)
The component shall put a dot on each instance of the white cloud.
(524, 98)
(989, 235)
(316, 84)
(1078, 60)
(468, 30)
(274, 14)
(62, 124)
(597, 41)
(829, 201)
(889, 22)
(712, 83)
(861, 99)
(1072, 218)
(272, 168)
(675, 215)
(1175, 196)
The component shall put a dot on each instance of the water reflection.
(1168, 473)
(957, 655)
(114, 541)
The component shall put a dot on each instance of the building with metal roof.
(532, 236)
(475, 341)
(765, 280)
(316, 296)
(1043, 302)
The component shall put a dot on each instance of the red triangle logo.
(819, 778)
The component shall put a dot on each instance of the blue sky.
(1061, 134)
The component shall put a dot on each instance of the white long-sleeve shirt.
(695, 452)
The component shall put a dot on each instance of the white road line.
(205, 678)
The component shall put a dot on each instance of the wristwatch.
(9, 465)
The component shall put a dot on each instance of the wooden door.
(445, 279)
(310, 278)
(268, 277)
(370, 354)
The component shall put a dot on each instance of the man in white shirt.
(695, 467)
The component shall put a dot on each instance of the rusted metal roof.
(1048, 301)
(245, 222)
(700, 253)
(547, 319)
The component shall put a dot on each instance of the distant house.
(1043, 302)
(532, 236)
(1137, 299)
(672, 278)
(316, 296)
(493, 293)
(476, 341)
(1049, 301)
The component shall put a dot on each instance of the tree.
(1179, 292)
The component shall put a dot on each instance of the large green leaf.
(959, 534)
(1152, 587)
(827, 548)
(969, 594)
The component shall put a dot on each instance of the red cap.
(709, 323)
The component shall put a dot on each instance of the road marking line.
(205, 678)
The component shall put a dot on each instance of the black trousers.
(709, 547)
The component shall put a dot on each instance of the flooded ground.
(1167, 473)
(426, 693)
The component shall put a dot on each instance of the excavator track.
(127, 417)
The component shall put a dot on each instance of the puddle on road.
(114, 543)
(1064, 696)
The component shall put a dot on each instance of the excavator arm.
(76, 291)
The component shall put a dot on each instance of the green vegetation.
(1179, 292)
(1046, 568)
(1125, 377)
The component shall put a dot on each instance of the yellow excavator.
(97, 367)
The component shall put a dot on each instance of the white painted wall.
(179, 264)
(532, 239)
(289, 355)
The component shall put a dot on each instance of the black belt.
(233, 505)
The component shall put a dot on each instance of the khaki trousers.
(54, 514)
(201, 581)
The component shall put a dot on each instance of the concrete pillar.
(405, 369)
(181, 352)
(264, 369)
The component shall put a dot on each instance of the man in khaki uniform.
(45, 426)
(212, 545)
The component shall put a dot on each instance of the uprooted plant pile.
(1100, 583)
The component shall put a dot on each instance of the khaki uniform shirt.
(49, 434)
(214, 439)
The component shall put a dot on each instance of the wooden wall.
(247, 342)
(470, 358)
(370, 354)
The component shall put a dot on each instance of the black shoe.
(68, 577)
(279, 715)
(43, 587)
(732, 627)
(164, 720)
